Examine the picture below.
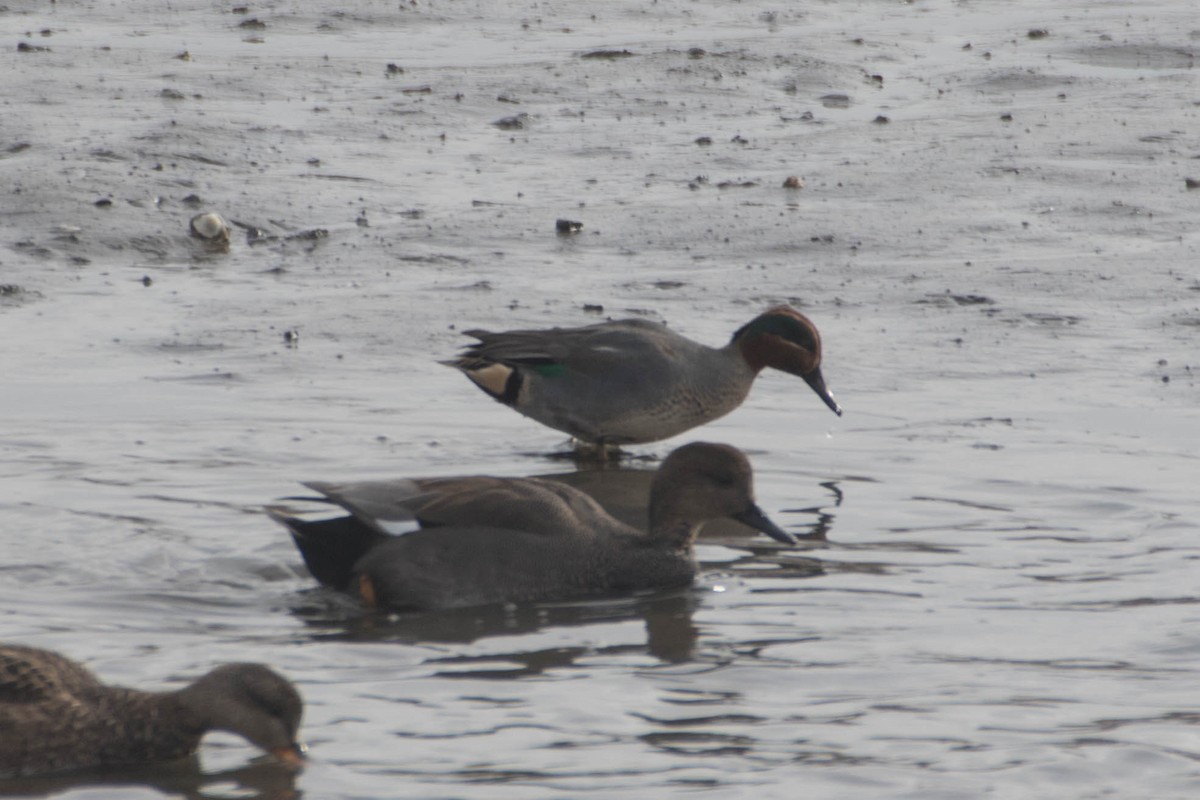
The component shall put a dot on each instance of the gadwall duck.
(454, 542)
(633, 381)
(56, 716)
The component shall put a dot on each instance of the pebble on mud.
(210, 227)
(565, 227)
(793, 182)
(513, 123)
(608, 54)
(1191, 183)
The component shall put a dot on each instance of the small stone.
(210, 227)
(513, 123)
(793, 182)
(607, 54)
(567, 226)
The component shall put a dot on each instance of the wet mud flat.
(989, 209)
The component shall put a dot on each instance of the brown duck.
(56, 716)
(452, 542)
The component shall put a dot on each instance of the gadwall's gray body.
(480, 540)
(631, 381)
(55, 716)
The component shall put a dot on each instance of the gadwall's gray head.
(702, 481)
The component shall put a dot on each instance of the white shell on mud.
(210, 226)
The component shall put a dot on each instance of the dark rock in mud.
(513, 123)
(607, 54)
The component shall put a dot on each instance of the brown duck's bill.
(755, 518)
(292, 755)
(817, 382)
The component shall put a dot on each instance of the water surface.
(999, 596)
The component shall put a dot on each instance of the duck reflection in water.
(671, 634)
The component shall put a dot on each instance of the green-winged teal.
(631, 381)
(451, 542)
(56, 716)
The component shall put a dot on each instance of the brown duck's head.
(254, 702)
(786, 340)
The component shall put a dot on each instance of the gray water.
(994, 236)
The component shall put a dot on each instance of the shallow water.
(1000, 597)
